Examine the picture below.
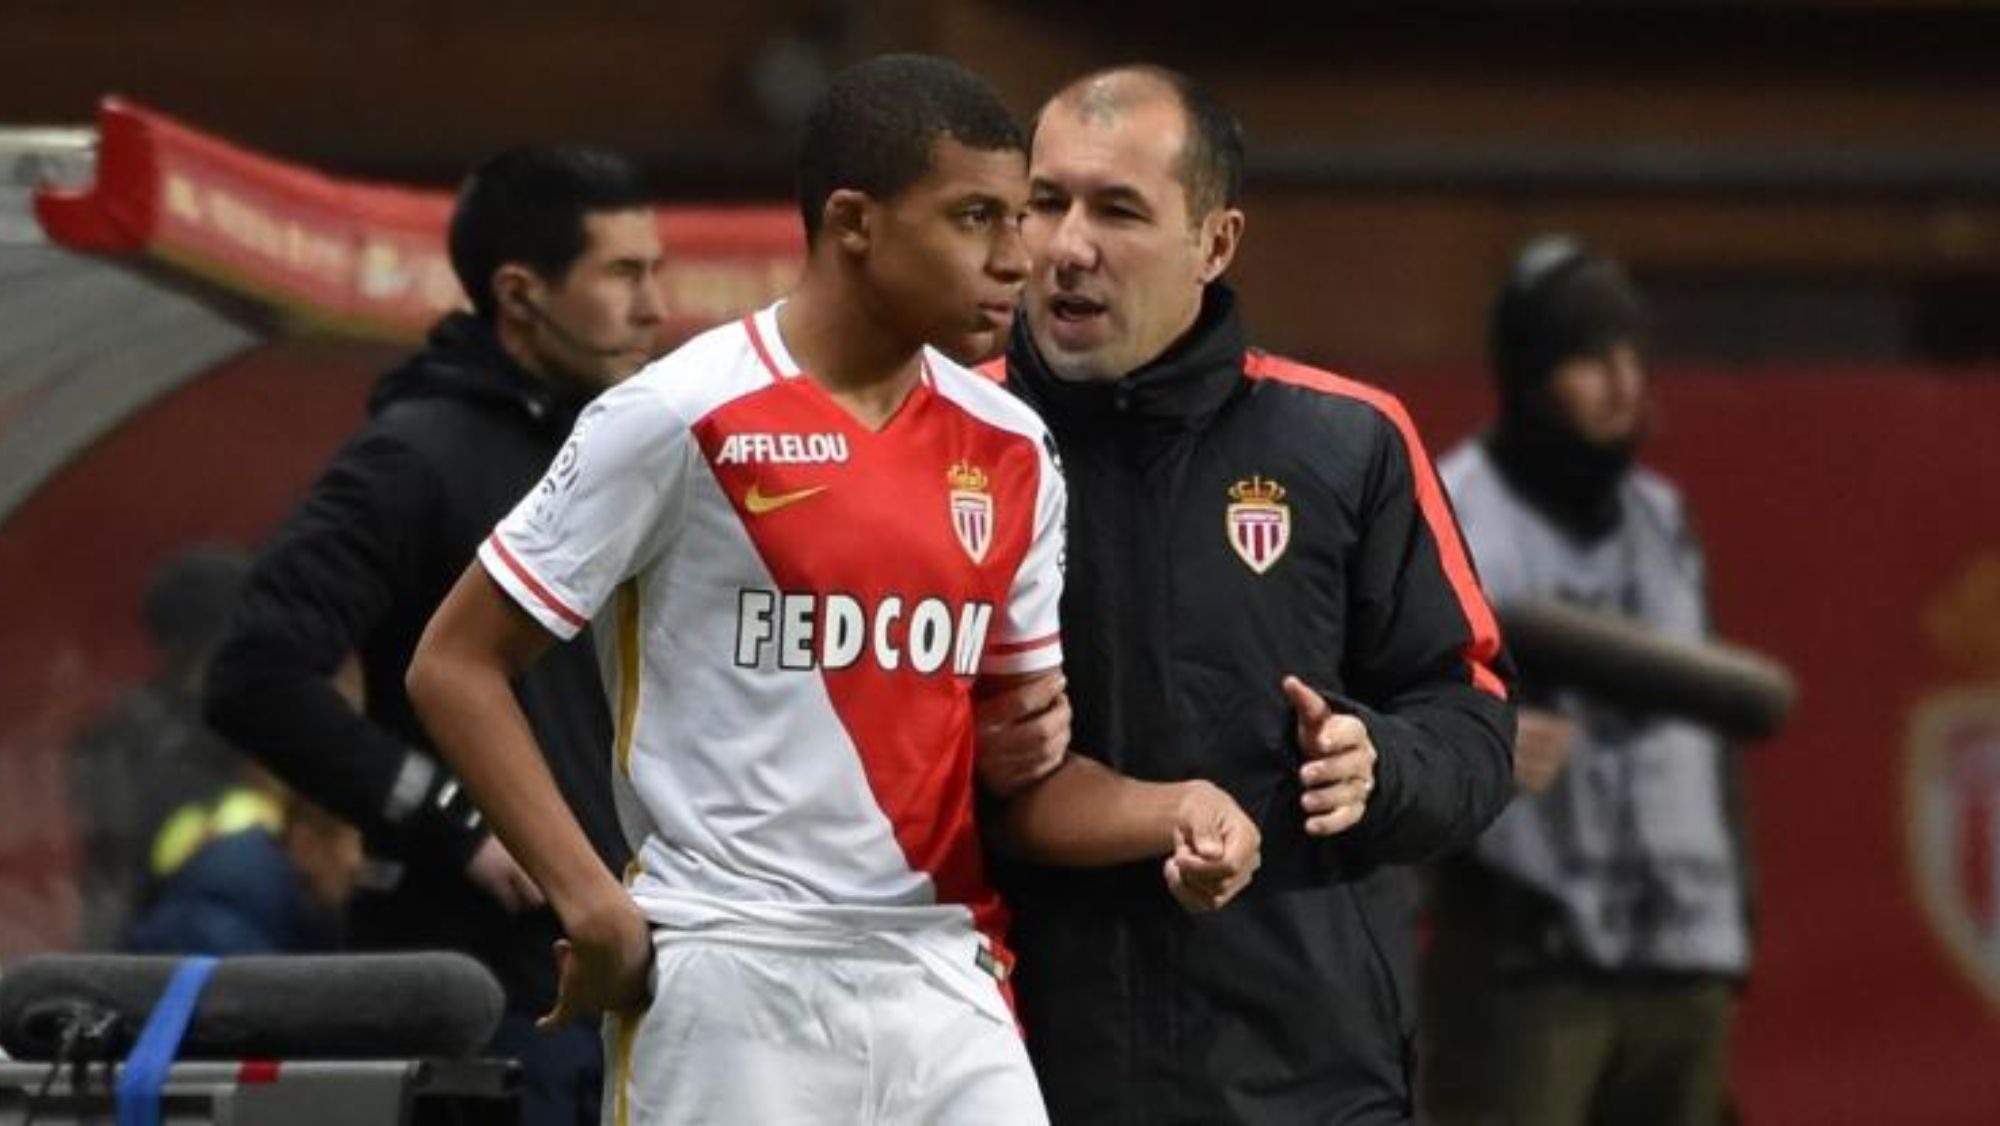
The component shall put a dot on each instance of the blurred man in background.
(259, 871)
(1241, 527)
(153, 754)
(558, 251)
(1588, 947)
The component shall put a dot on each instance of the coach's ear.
(846, 219)
(1221, 234)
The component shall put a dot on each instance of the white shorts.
(757, 1036)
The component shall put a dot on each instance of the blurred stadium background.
(1808, 189)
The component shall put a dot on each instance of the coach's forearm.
(467, 703)
(1085, 815)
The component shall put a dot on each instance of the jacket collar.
(463, 359)
(1180, 389)
(1574, 482)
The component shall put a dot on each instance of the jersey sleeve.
(1029, 639)
(612, 500)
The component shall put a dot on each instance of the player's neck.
(864, 365)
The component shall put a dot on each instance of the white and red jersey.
(790, 610)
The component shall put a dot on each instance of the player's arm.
(1081, 813)
(460, 682)
(602, 511)
(1064, 809)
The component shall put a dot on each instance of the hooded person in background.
(558, 250)
(152, 754)
(1587, 948)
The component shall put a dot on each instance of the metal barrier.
(276, 1093)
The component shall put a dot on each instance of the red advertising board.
(364, 258)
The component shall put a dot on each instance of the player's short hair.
(528, 205)
(874, 128)
(1211, 159)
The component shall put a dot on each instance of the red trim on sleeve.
(1012, 647)
(534, 587)
(1485, 644)
(256, 1072)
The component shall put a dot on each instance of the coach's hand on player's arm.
(1023, 730)
(605, 964)
(1217, 848)
(1339, 771)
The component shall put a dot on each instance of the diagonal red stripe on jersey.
(1484, 645)
(882, 528)
(763, 350)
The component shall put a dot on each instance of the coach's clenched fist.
(1217, 848)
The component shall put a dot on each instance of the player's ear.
(846, 219)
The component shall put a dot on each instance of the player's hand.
(1542, 744)
(1023, 734)
(1339, 771)
(1217, 848)
(605, 964)
(494, 871)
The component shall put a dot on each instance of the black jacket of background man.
(456, 436)
(1294, 1004)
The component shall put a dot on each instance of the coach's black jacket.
(456, 436)
(1294, 1004)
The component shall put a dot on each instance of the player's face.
(945, 256)
(1119, 263)
(600, 322)
(1602, 396)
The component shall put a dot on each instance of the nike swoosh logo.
(758, 504)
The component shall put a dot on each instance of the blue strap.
(144, 1075)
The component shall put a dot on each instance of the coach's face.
(1119, 261)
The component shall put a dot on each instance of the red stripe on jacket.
(1484, 646)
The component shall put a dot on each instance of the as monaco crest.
(1260, 524)
(971, 509)
(1954, 826)
(1952, 804)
